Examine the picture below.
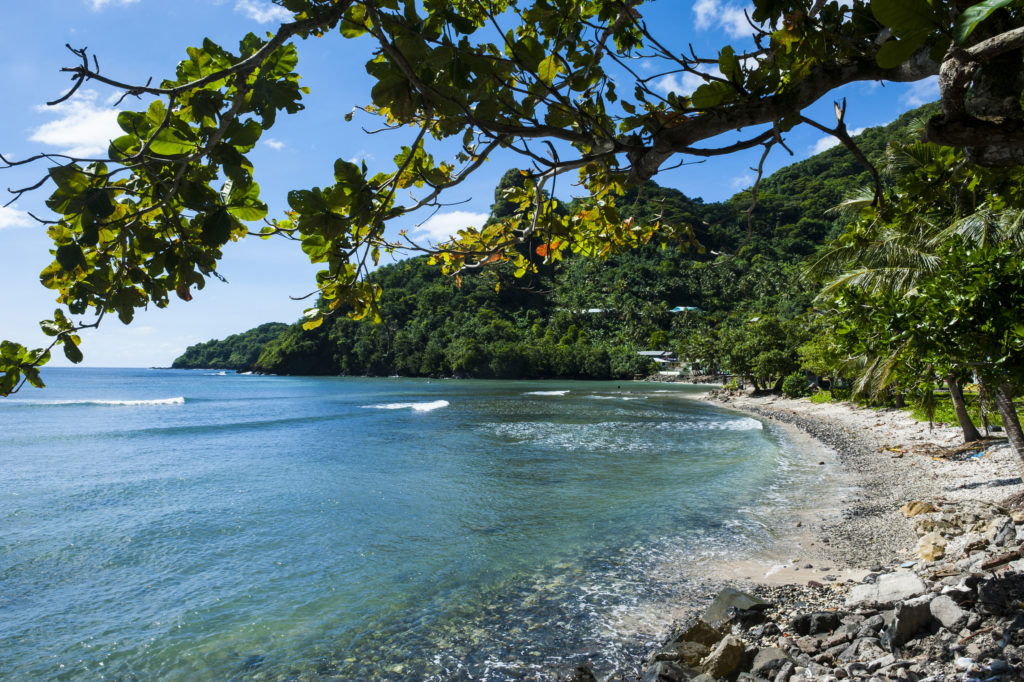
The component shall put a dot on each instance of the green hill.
(586, 318)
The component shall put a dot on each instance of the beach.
(914, 509)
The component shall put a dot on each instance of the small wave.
(547, 392)
(216, 374)
(179, 400)
(744, 424)
(417, 407)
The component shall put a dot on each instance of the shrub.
(795, 385)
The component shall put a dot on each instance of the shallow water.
(191, 524)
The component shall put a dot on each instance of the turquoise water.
(201, 525)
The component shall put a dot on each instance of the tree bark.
(1004, 401)
(957, 396)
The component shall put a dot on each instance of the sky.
(138, 39)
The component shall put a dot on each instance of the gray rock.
(1001, 532)
(784, 672)
(690, 653)
(724, 658)
(665, 671)
(702, 633)
(911, 616)
(888, 589)
(947, 612)
(871, 626)
(717, 613)
(883, 662)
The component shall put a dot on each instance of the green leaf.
(171, 142)
(72, 352)
(974, 15)
(216, 228)
(904, 17)
(894, 52)
(70, 257)
(549, 68)
(711, 95)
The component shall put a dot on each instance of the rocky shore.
(937, 531)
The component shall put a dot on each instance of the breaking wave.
(416, 407)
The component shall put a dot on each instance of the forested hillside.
(587, 318)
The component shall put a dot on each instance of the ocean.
(181, 525)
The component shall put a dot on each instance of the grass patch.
(945, 414)
(822, 397)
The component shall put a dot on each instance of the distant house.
(660, 356)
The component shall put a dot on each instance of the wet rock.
(582, 673)
(666, 671)
(702, 633)
(690, 653)
(888, 589)
(719, 614)
(724, 658)
(947, 612)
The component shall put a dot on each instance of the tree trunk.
(957, 396)
(1004, 401)
(982, 409)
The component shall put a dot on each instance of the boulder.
(947, 612)
(916, 508)
(887, 589)
(690, 653)
(912, 616)
(932, 546)
(665, 671)
(701, 633)
(719, 614)
(1001, 531)
(769, 661)
(724, 658)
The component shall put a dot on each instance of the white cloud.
(743, 181)
(921, 92)
(263, 12)
(83, 128)
(100, 4)
(727, 17)
(828, 141)
(682, 83)
(441, 226)
(10, 216)
(273, 144)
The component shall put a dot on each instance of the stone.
(947, 612)
(724, 658)
(911, 616)
(883, 662)
(916, 508)
(690, 653)
(1001, 531)
(1017, 516)
(769, 661)
(931, 546)
(717, 614)
(889, 588)
(824, 621)
(702, 633)
(784, 672)
(582, 673)
(665, 671)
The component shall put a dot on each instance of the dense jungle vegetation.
(587, 318)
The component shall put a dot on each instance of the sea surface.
(181, 525)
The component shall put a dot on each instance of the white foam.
(216, 374)
(417, 407)
(547, 392)
(179, 400)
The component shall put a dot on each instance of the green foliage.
(238, 351)
(796, 385)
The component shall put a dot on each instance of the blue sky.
(137, 39)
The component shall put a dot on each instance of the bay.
(209, 525)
